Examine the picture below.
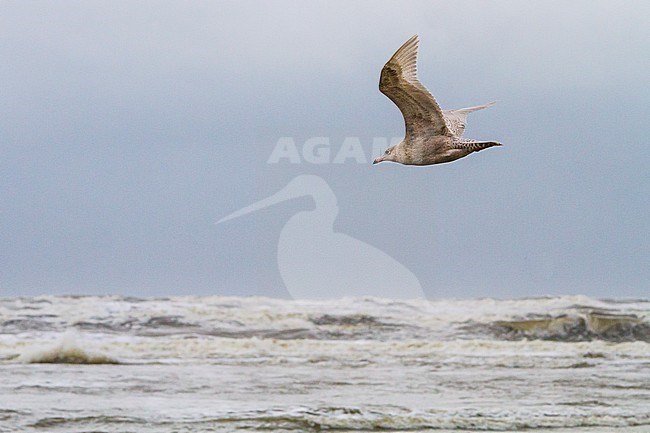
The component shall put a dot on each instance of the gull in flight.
(433, 136)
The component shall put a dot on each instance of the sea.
(253, 364)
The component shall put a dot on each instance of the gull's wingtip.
(415, 39)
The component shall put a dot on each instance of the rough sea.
(225, 364)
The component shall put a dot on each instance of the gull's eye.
(387, 152)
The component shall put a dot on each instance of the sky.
(128, 129)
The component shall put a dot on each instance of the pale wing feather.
(399, 82)
(456, 119)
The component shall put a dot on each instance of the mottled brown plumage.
(433, 136)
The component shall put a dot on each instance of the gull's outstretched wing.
(456, 119)
(400, 83)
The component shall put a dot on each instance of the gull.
(433, 136)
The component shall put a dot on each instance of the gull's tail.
(473, 145)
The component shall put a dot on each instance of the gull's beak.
(378, 160)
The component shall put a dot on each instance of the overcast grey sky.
(128, 128)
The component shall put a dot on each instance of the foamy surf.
(67, 349)
(257, 364)
(582, 326)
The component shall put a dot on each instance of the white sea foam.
(69, 348)
(353, 364)
(228, 313)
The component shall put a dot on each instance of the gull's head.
(389, 155)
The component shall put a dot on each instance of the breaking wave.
(569, 318)
(586, 326)
(67, 350)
